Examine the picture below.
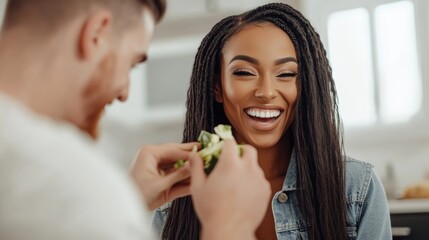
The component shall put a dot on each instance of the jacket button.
(282, 198)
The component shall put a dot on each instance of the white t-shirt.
(54, 184)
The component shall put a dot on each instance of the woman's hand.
(155, 175)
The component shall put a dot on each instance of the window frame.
(318, 12)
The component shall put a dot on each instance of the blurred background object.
(379, 53)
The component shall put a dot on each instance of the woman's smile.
(263, 119)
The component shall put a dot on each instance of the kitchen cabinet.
(410, 219)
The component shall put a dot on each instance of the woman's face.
(259, 84)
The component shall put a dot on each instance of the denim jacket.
(367, 210)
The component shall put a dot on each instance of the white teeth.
(263, 113)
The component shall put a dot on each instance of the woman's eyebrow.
(285, 60)
(255, 61)
(244, 58)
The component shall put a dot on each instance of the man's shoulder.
(38, 140)
(20, 128)
(33, 148)
(51, 175)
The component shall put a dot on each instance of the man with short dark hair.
(61, 63)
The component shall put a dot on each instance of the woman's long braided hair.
(316, 129)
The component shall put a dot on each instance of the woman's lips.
(263, 113)
(263, 119)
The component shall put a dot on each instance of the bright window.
(350, 55)
(377, 76)
(398, 72)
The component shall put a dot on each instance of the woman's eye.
(243, 73)
(287, 74)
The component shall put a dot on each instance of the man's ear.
(218, 93)
(94, 35)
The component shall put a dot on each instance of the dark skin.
(275, 172)
(258, 91)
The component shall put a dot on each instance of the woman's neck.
(274, 161)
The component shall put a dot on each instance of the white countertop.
(409, 206)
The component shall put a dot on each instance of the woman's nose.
(266, 90)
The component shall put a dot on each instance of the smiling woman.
(265, 72)
(258, 84)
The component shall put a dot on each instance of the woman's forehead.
(259, 39)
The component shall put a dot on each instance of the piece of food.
(420, 190)
(211, 146)
(224, 131)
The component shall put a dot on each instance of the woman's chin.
(264, 142)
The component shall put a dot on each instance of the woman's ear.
(218, 93)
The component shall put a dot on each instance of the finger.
(249, 154)
(229, 154)
(175, 177)
(229, 148)
(188, 146)
(180, 190)
(250, 158)
(198, 176)
(168, 155)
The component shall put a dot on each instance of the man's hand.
(231, 202)
(155, 175)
